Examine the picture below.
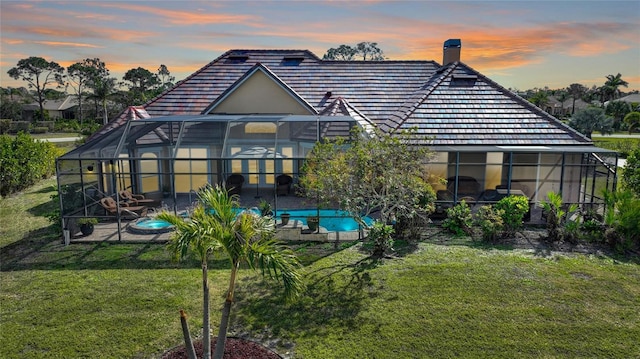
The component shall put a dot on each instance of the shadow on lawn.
(43, 250)
(333, 298)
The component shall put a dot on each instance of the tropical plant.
(216, 226)
(514, 208)
(459, 219)
(617, 110)
(559, 223)
(610, 89)
(104, 88)
(38, 73)
(622, 217)
(591, 119)
(489, 219)
(576, 91)
(632, 119)
(265, 208)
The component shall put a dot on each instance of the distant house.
(632, 99)
(258, 113)
(58, 109)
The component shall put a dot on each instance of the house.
(64, 108)
(258, 113)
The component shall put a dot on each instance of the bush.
(622, 218)
(5, 125)
(24, 161)
(381, 236)
(459, 219)
(489, 219)
(514, 208)
(631, 172)
(19, 126)
(560, 225)
(40, 130)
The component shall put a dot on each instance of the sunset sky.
(519, 44)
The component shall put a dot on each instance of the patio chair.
(111, 207)
(283, 184)
(234, 183)
(135, 199)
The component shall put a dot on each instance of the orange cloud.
(178, 17)
(12, 41)
(66, 44)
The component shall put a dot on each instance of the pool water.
(150, 226)
(331, 219)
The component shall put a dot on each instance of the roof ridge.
(424, 91)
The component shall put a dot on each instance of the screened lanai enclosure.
(163, 161)
(167, 159)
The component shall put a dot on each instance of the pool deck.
(107, 231)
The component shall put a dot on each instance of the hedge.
(24, 162)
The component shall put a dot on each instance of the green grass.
(439, 299)
(622, 145)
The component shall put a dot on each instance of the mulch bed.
(235, 348)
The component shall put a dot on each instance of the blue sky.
(519, 44)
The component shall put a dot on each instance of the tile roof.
(454, 104)
(461, 106)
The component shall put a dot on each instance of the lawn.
(436, 299)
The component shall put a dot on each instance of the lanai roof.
(450, 105)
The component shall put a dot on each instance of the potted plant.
(313, 222)
(86, 225)
(284, 218)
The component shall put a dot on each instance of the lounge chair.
(283, 184)
(135, 199)
(234, 183)
(110, 205)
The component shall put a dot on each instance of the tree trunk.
(226, 311)
(105, 118)
(206, 325)
(191, 352)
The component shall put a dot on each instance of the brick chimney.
(451, 52)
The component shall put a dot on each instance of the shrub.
(5, 125)
(631, 172)
(381, 236)
(19, 126)
(459, 219)
(39, 129)
(560, 225)
(489, 219)
(622, 218)
(411, 227)
(24, 161)
(514, 208)
(592, 230)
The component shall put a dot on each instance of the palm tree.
(103, 90)
(611, 86)
(576, 91)
(245, 238)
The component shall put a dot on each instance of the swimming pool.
(331, 219)
(150, 226)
